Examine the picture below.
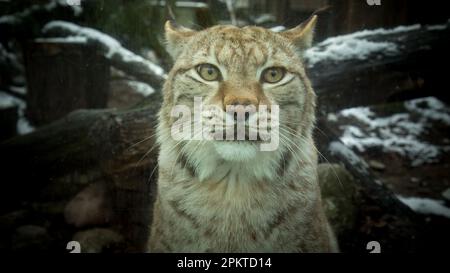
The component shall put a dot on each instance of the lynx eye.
(208, 72)
(273, 74)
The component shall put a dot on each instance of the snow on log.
(8, 101)
(10, 68)
(112, 50)
(375, 66)
(426, 206)
(356, 45)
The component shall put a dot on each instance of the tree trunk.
(63, 77)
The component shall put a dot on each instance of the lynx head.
(251, 71)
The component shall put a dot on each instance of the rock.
(98, 240)
(340, 197)
(377, 165)
(68, 185)
(89, 207)
(31, 238)
(446, 194)
(8, 223)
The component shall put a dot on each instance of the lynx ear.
(176, 38)
(302, 35)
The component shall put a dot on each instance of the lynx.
(229, 195)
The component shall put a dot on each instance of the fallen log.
(374, 67)
(110, 147)
(359, 208)
(117, 149)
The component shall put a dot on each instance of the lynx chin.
(221, 195)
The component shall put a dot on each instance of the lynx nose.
(241, 108)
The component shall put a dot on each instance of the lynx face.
(229, 195)
(247, 76)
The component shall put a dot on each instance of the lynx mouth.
(246, 136)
